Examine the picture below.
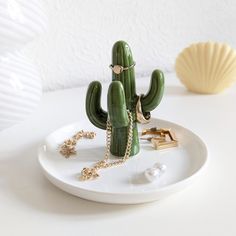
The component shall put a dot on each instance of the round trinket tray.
(124, 184)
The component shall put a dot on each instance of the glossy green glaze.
(122, 97)
(155, 93)
(117, 105)
(95, 113)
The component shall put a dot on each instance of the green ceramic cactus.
(122, 96)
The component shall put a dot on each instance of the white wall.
(77, 47)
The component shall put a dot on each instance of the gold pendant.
(89, 174)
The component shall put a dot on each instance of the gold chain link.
(92, 173)
(67, 149)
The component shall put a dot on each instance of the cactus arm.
(117, 105)
(95, 113)
(153, 97)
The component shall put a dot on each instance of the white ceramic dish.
(125, 184)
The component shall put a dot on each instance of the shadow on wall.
(77, 47)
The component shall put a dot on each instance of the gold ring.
(139, 113)
(117, 69)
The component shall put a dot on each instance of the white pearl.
(152, 174)
(160, 166)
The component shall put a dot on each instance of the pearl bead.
(155, 172)
(151, 174)
(160, 166)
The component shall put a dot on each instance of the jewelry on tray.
(90, 173)
(139, 113)
(160, 138)
(155, 172)
(68, 147)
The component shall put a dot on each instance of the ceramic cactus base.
(122, 97)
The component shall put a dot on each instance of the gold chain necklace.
(92, 173)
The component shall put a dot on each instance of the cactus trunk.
(125, 82)
(122, 55)
(119, 141)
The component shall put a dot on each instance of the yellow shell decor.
(206, 68)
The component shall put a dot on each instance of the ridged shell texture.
(207, 68)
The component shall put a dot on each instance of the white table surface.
(31, 205)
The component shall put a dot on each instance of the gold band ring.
(139, 113)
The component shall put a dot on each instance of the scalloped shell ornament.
(207, 68)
